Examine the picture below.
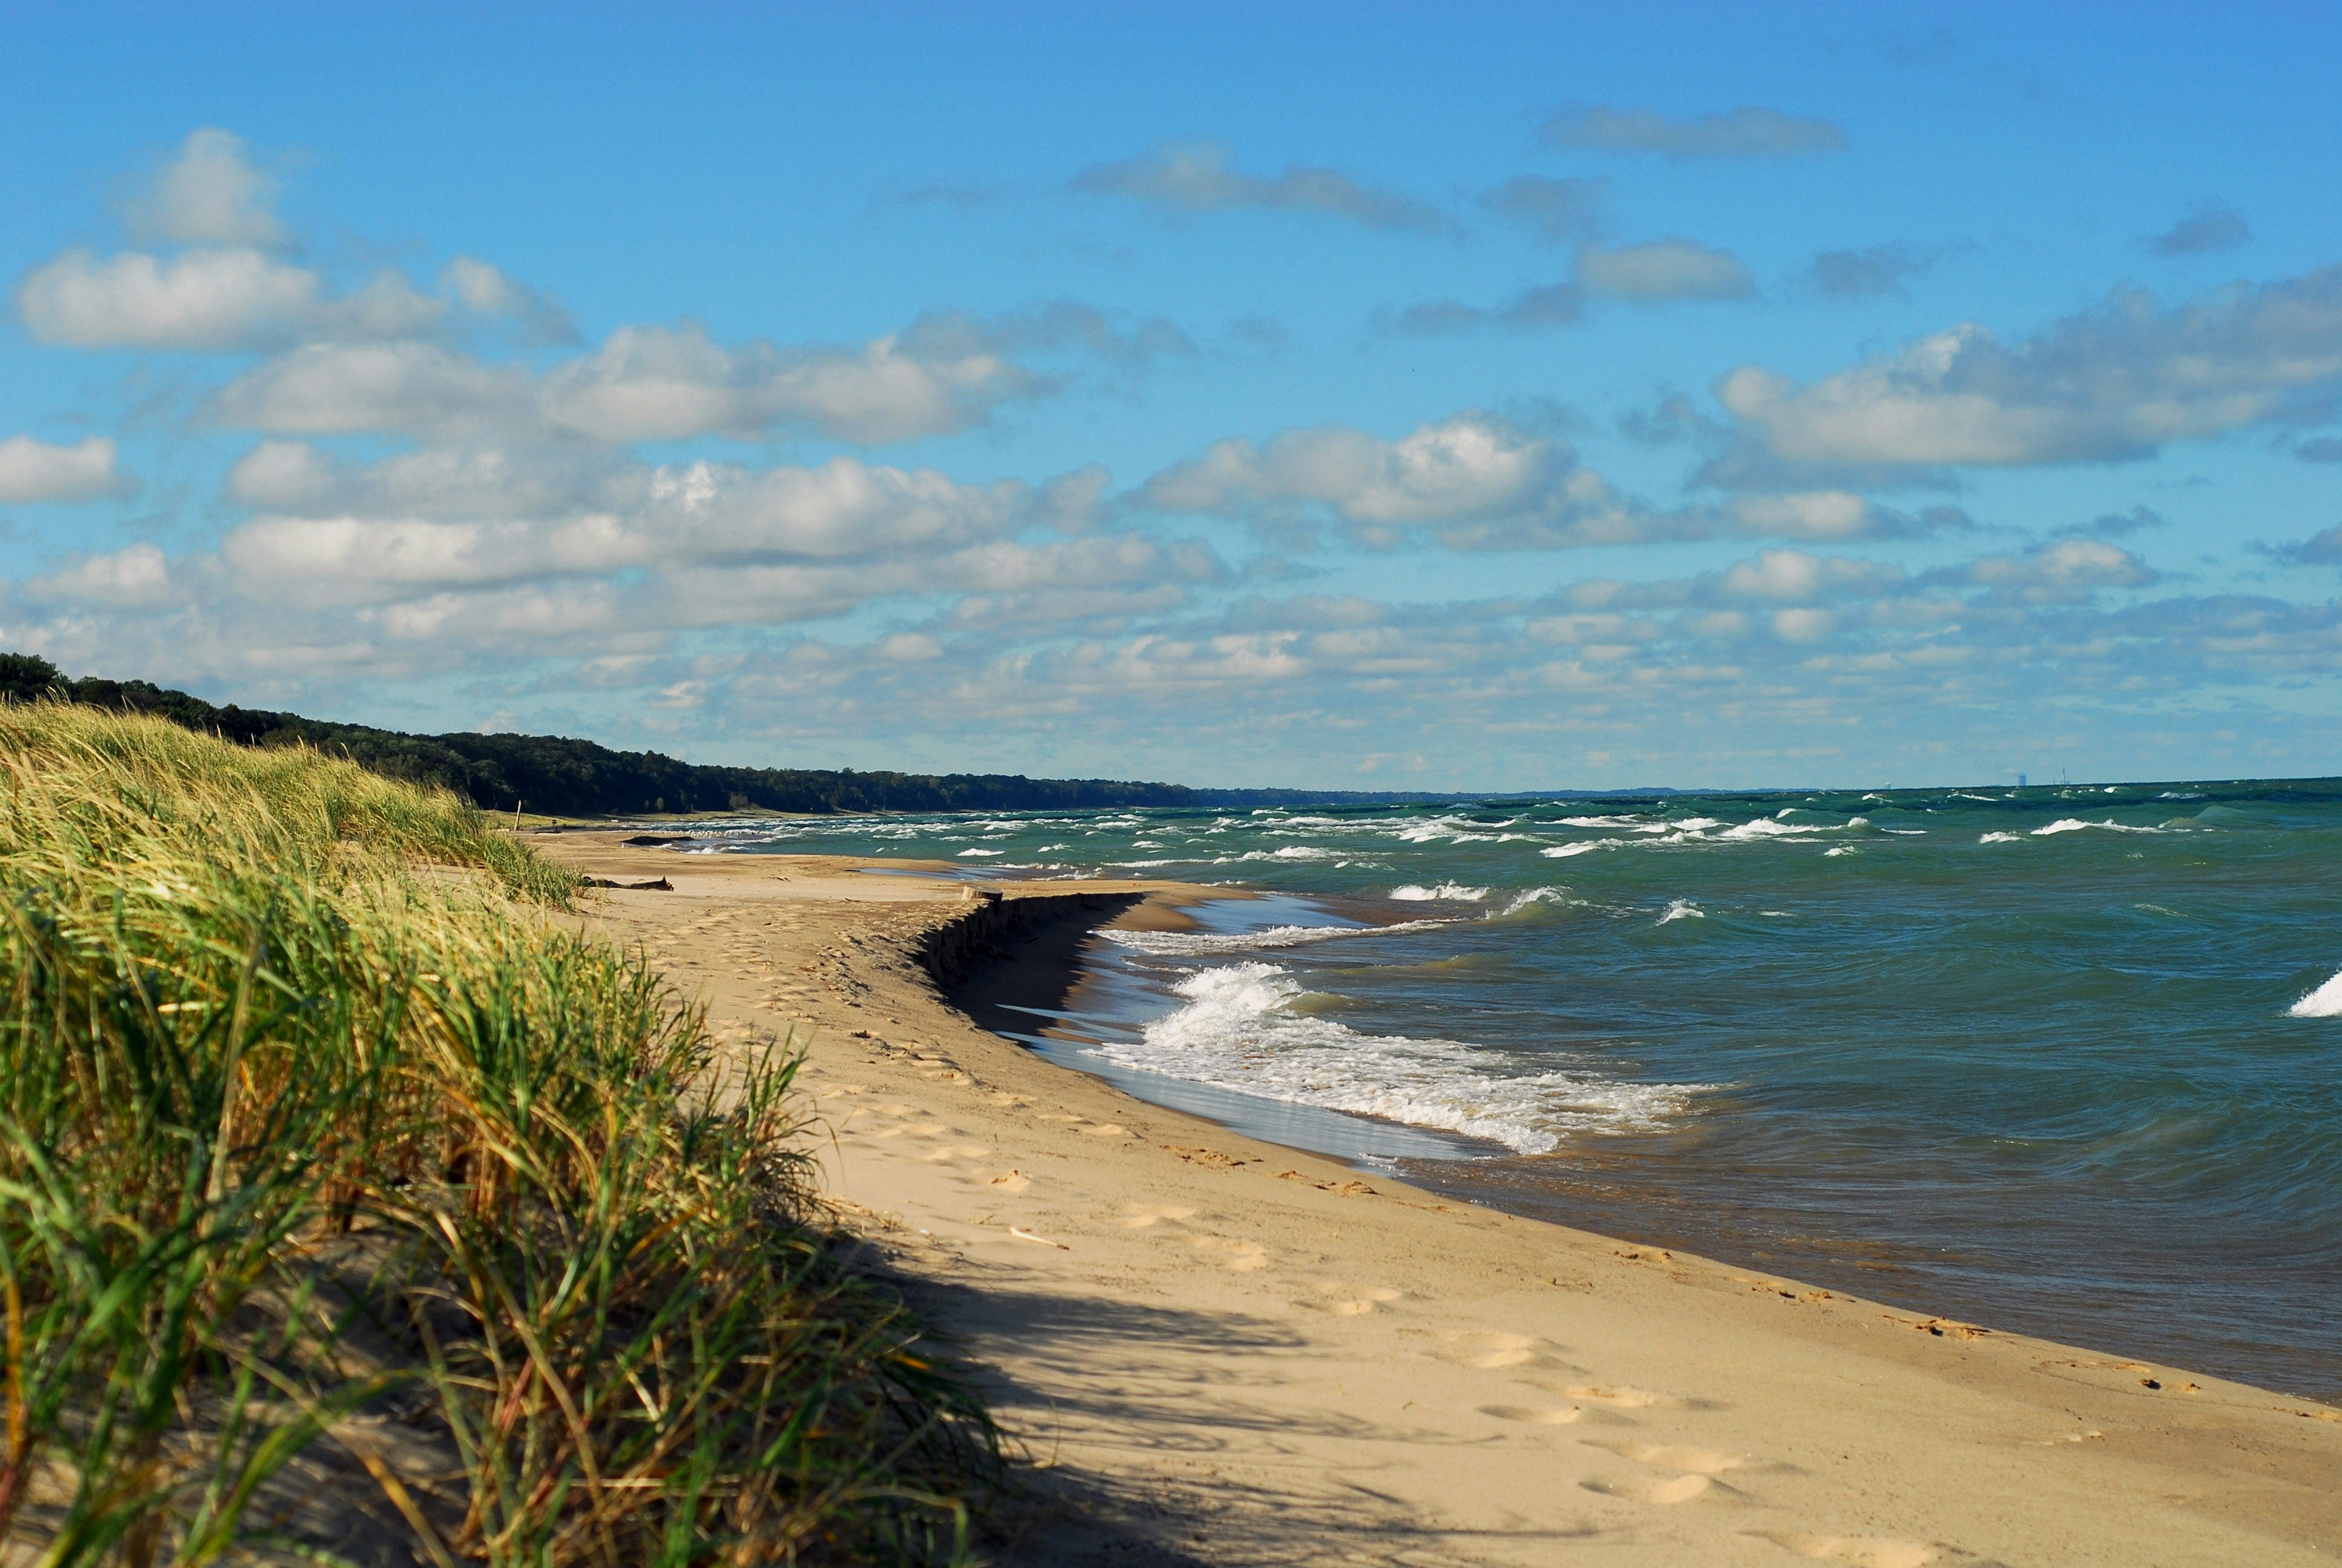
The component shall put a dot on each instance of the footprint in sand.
(1139, 1216)
(1698, 1461)
(1084, 1125)
(1853, 1551)
(944, 1152)
(1490, 1351)
(1243, 1255)
(1618, 1396)
(1348, 1301)
(1666, 1493)
(1562, 1416)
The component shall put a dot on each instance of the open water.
(2064, 1060)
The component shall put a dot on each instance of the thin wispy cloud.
(1201, 177)
(2207, 226)
(1562, 212)
(1870, 271)
(1747, 131)
(1659, 271)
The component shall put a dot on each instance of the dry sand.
(1211, 1350)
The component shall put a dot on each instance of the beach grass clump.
(350, 1196)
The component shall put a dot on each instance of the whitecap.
(1238, 1031)
(2000, 838)
(1198, 943)
(1416, 893)
(1839, 849)
(1597, 822)
(2325, 1002)
(2076, 824)
(1767, 827)
(1536, 895)
(1564, 851)
(982, 854)
(1683, 909)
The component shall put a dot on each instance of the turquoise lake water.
(2066, 1061)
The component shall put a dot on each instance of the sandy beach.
(1211, 1350)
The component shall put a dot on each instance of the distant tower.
(2020, 781)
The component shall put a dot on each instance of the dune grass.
(324, 1144)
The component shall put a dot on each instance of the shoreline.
(1214, 1348)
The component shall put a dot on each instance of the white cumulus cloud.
(333, 389)
(209, 194)
(1471, 479)
(211, 298)
(2118, 380)
(652, 383)
(32, 471)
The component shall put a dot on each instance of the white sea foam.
(1597, 822)
(1199, 943)
(2076, 824)
(2325, 1002)
(1683, 909)
(1238, 1031)
(1416, 893)
(1839, 849)
(983, 853)
(1564, 851)
(2000, 838)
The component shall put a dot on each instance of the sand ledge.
(1218, 1351)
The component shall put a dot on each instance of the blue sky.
(1492, 397)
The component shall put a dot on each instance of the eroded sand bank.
(1217, 1351)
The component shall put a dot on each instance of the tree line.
(558, 776)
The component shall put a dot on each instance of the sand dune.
(1216, 1351)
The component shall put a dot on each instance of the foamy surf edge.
(1238, 1031)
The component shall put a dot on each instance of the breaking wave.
(1199, 943)
(1238, 1031)
(1416, 893)
(2325, 1002)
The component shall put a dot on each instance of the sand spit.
(1216, 1351)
